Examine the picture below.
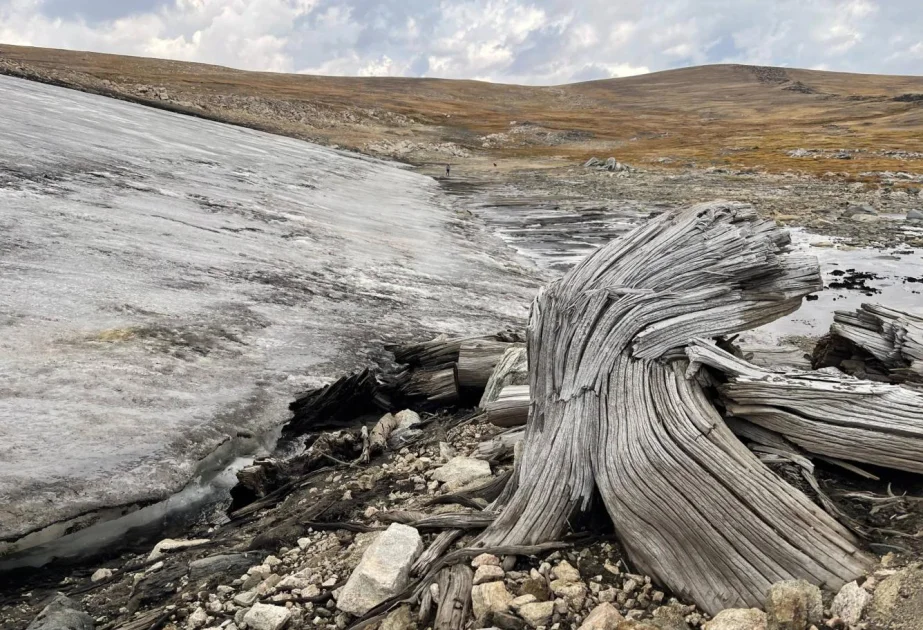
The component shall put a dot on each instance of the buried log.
(477, 360)
(692, 506)
(825, 413)
(511, 409)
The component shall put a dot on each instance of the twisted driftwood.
(825, 413)
(692, 506)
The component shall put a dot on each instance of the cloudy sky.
(518, 41)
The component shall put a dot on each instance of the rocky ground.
(342, 539)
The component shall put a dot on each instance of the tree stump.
(613, 409)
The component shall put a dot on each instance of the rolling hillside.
(745, 116)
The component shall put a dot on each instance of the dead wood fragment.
(512, 369)
(894, 338)
(824, 412)
(335, 406)
(378, 438)
(692, 506)
(454, 597)
(511, 408)
(477, 360)
(443, 350)
(434, 385)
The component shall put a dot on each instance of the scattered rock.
(537, 587)
(267, 617)
(738, 619)
(169, 545)
(489, 598)
(100, 575)
(383, 571)
(62, 613)
(915, 215)
(793, 605)
(197, 619)
(604, 617)
(247, 598)
(898, 601)
(488, 573)
(398, 619)
(537, 614)
(461, 471)
(671, 617)
(850, 603)
(573, 592)
(860, 209)
(565, 572)
(485, 559)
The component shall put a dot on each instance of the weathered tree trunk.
(512, 369)
(511, 409)
(824, 413)
(692, 506)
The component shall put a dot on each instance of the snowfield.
(168, 282)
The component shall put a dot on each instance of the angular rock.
(384, 570)
(489, 598)
(671, 617)
(293, 582)
(169, 545)
(488, 573)
(197, 619)
(461, 471)
(485, 559)
(850, 603)
(267, 617)
(100, 575)
(793, 605)
(62, 613)
(738, 619)
(398, 619)
(537, 614)
(604, 617)
(565, 571)
(246, 598)
(537, 587)
(915, 215)
(898, 601)
(860, 209)
(573, 592)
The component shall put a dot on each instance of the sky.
(539, 42)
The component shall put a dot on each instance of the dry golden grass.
(723, 115)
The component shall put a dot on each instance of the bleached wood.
(512, 369)
(692, 506)
(825, 412)
(511, 408)
(893, 337)
(477, 360)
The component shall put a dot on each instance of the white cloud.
(522, 41)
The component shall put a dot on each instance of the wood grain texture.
(692, 506)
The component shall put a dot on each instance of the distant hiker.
(448, 170)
